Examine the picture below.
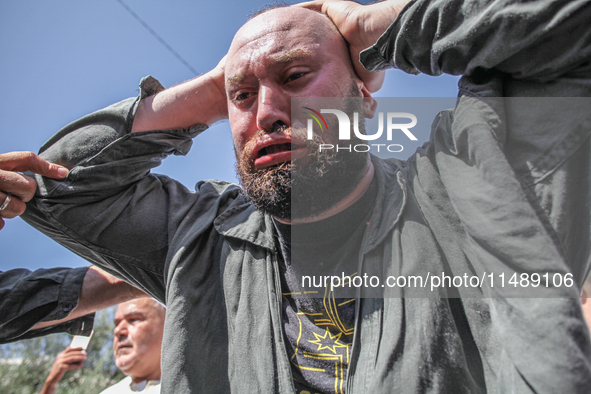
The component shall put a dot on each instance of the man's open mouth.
(276, 151)
(277, 148)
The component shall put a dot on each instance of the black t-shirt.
(317, 325)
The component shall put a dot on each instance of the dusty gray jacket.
(502, 186)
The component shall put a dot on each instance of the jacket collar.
(390, 201)
(243, 221)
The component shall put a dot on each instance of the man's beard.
(295, 190)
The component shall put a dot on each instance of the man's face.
(285, 53)
(139, 325)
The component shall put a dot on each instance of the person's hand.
(69, 359)
(15, 188)
(218, 77)
(201, 100)
(361, 25)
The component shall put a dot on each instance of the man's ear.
(369, 103)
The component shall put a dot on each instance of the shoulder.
(219, 196)
(220, 188)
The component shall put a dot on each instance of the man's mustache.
(297, 133)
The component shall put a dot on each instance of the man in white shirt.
(139, 325)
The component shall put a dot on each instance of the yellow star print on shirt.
(328, 341)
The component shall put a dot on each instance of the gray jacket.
(502, 186)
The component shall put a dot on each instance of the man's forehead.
(128, 309)
(281, 20)
(278, 36)
(273, 59)
(139, 306)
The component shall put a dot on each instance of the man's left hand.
(361, 25)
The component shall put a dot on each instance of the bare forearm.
(201, 100)
(99, 290)
(55, 376)
(49, 385)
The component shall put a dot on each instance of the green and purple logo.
(315, 116)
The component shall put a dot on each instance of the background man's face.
(283, 53)
(139, 325)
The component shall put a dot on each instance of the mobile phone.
(81, 341)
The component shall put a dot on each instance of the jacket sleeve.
(538, 40)
(28, 298)
(110, 209)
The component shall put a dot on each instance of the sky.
(64, 59)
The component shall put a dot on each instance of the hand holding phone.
(81, 341)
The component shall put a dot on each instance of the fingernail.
(62, 171)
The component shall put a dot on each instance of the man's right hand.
(15, 188)
(69, 359)
(201, 100)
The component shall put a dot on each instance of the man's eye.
(241, 96)
(294, 76)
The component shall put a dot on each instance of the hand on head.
(15, 188)
(361, 25)
(217, 75)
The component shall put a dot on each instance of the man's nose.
(274, 107)
(120, 329)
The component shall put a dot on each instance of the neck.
(153, 376)
(344, 203)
